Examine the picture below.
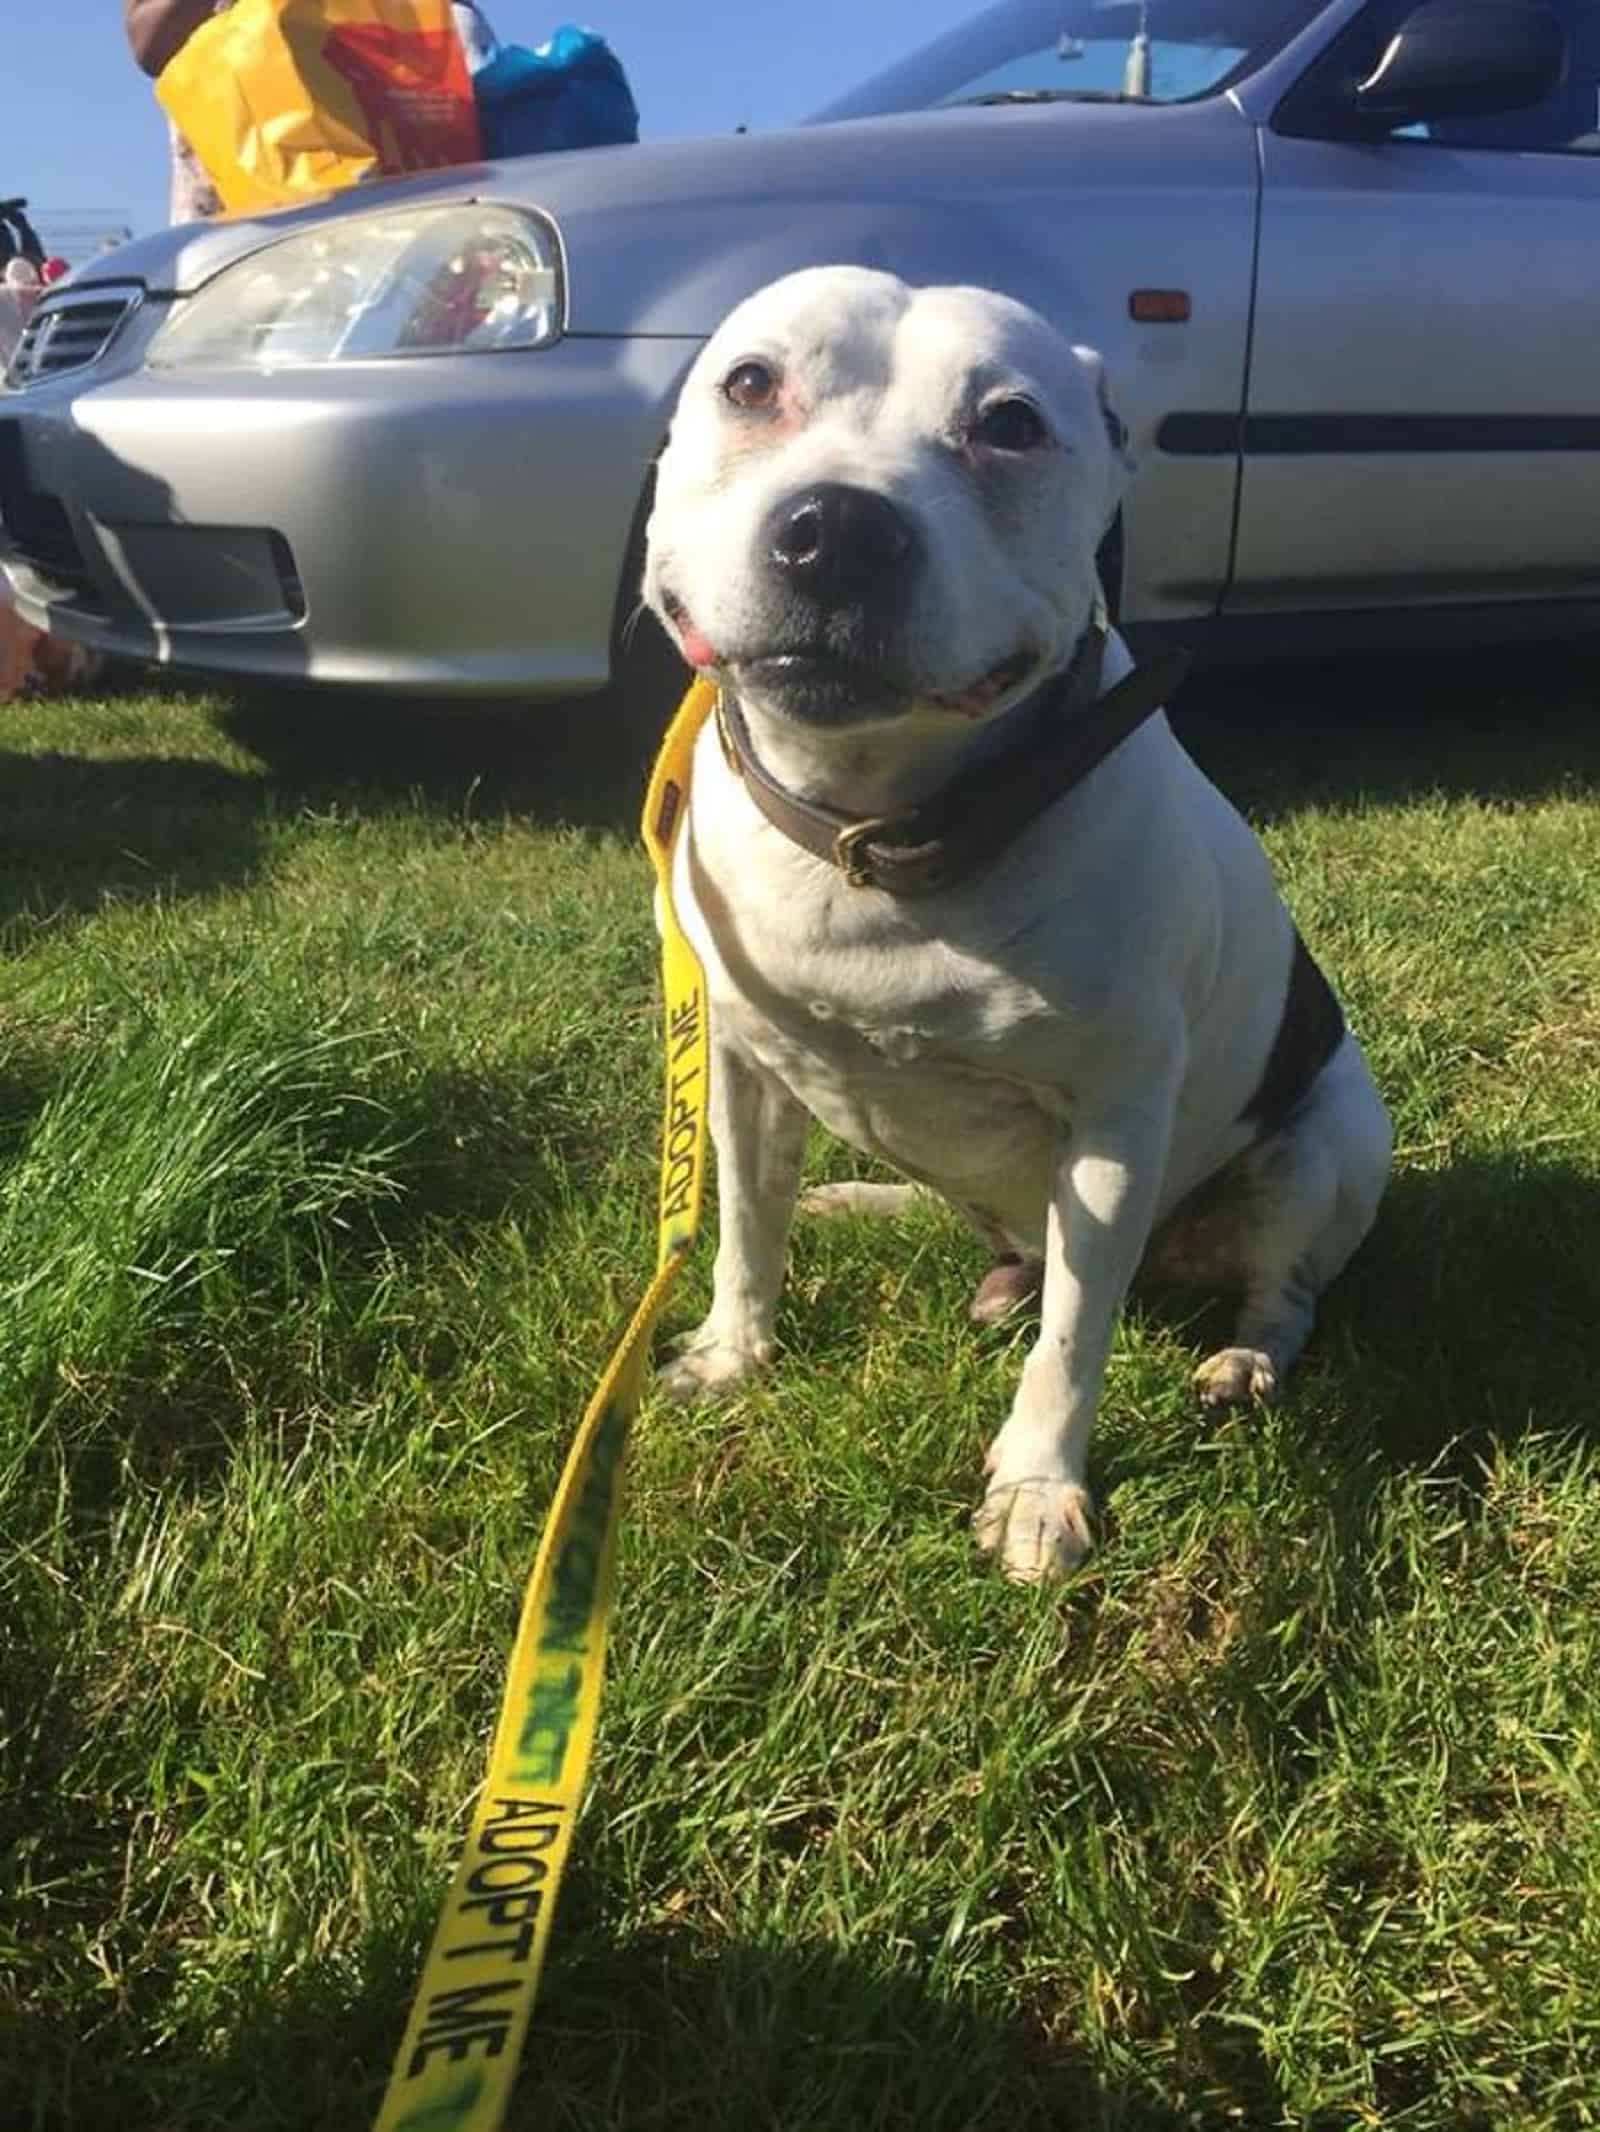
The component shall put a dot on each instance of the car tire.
(648, 677)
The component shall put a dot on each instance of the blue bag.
(569, 92)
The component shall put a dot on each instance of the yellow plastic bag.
(283, 98)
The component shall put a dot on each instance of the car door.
(1423, 412)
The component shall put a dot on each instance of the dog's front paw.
(708, 1367)
(1036, 1529)
(1236, 1377)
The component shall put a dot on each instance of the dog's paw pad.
(1236, 1377)
(1035, 1529)
(702, 1372)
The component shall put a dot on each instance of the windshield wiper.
(1057, 96)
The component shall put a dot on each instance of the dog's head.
(878, 499)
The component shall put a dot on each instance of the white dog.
(960, 897)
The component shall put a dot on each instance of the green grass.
(327, 1119)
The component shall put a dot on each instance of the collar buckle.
(847, 855)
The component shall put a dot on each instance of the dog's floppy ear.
(1116, 428)
(1122, 459)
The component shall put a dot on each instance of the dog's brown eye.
(1010, 425)
(752, 386)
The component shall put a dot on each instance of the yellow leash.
(458, 2058)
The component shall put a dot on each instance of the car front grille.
(70, 331)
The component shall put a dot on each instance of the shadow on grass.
(1496, 724)
(76, 834)
(28, 1079)
(580, 761)
(1469, 1316)
(1466, 1319)
(660, 2033)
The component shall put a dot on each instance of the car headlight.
(421, 281)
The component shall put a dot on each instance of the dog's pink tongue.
(696, 645)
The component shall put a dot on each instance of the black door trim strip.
(1191, 436)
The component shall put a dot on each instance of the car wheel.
(648, 677)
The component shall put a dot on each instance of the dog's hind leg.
(1012, 1281)
(1010, 1285)
(1274, 1325)
(1308, 1195)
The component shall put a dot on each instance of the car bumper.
(458, 525)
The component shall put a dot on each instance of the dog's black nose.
(837, 542)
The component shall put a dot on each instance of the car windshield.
(1083, 51)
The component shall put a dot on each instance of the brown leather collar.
(966, 825)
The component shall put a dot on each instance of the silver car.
(1343, 261)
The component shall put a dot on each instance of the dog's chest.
(911, 1048)
(919, 1082)
(896, 1017)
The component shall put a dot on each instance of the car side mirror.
(1464, 59)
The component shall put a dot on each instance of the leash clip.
(856, 870)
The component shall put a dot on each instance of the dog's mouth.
(822, 686)
(1000, 680)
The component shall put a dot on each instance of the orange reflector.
(1159, 307)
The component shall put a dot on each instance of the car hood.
(654, 232)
